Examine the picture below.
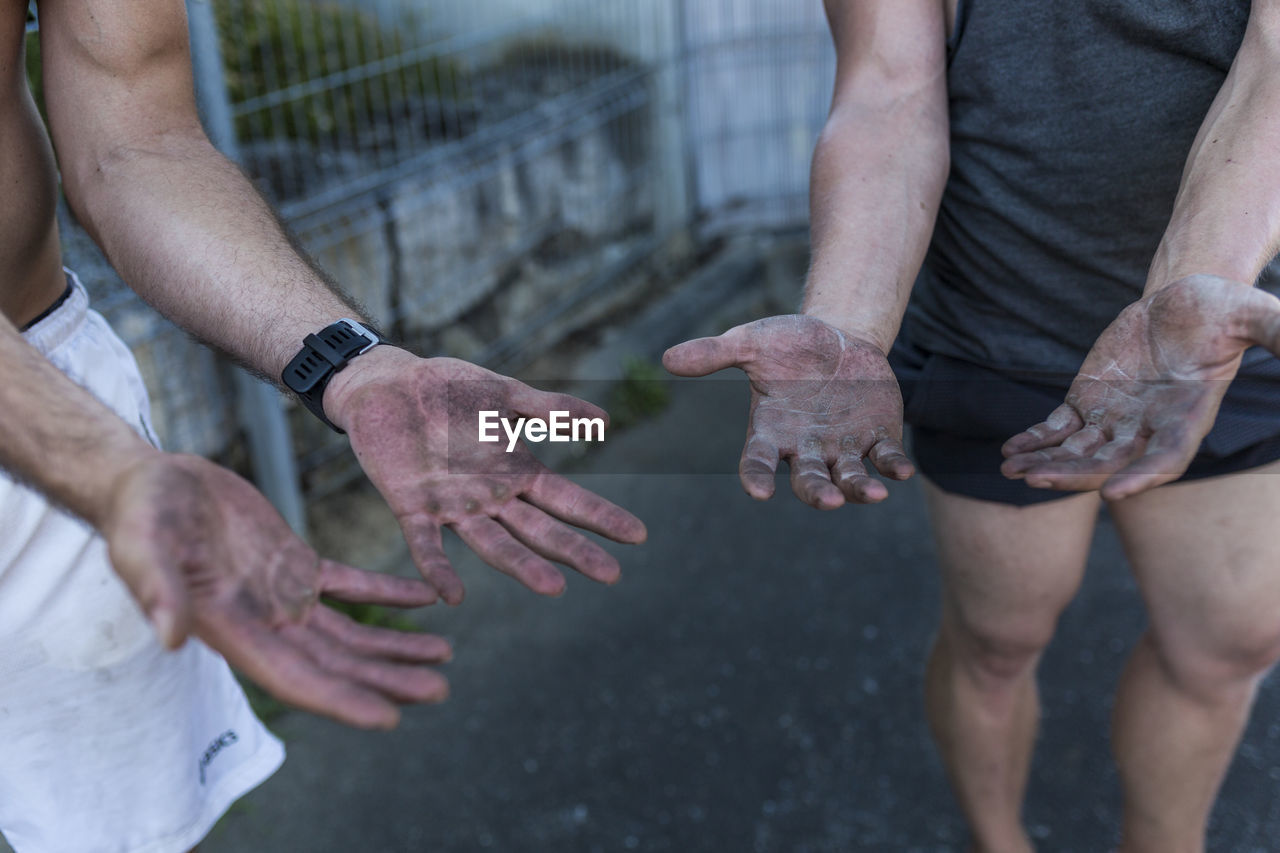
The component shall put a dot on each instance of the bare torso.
(30, 259)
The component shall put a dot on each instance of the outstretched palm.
(821, 399)
(413, 426)
(204, 553)
(1149, 390)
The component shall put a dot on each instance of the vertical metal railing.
(258, 406)
(477, 171)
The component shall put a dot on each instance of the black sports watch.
(323, 355)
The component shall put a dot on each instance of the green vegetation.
(375, 615)
(641, 393)
(270, 45)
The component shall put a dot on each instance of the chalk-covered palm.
(413, 425)
(204, 553)
(821, 399)
(1149, 390)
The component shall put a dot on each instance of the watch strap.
(322, 355)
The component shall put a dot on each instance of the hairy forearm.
(1226, 220)
(189, 232)
(56, 436)
(877, 179)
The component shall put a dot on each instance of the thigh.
(1009, 570)
(1206, 555)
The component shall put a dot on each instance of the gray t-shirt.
(1070, 126)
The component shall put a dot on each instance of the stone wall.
(450, 260)
(464, 251)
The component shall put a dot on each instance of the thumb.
(535, 403)
(159, 588)
(706, 355)
(1262, 324)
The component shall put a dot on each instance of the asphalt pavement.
(752, 684)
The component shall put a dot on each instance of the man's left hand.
(1149, 390)
(413, 426)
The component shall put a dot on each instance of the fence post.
(257, 405)
(671, 121)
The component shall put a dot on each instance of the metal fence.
(472, 169)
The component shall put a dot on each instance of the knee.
(1233, 655)
(998, 652)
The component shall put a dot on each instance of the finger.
(1088, 440)
(1084, 443)
(498, 548)
(397, 681)
(368, 641)
(1062, 422)
(705, 355)
(1169, 452)
(758, 467)
(890, 459)
(534, 403)
(811, 481)
(287, 673)
(1263, 313)
(350, 584)
(855, 484)
(422, 535)
(1016, 467)
(1086, 473)
(558, 542)
(1149, 471)
(569, 502)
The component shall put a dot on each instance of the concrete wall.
(758, 86)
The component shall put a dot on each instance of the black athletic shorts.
(961, 413)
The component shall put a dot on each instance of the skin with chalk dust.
(1149, 390)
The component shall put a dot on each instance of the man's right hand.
(820, 398)
(205, 554)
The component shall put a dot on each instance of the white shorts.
(108, 743)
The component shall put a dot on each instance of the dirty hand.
(413, 424)
(1149, 390)
(205, 554)
(820, 398)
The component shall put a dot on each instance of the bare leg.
(1205, 557)
(1007, 574)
